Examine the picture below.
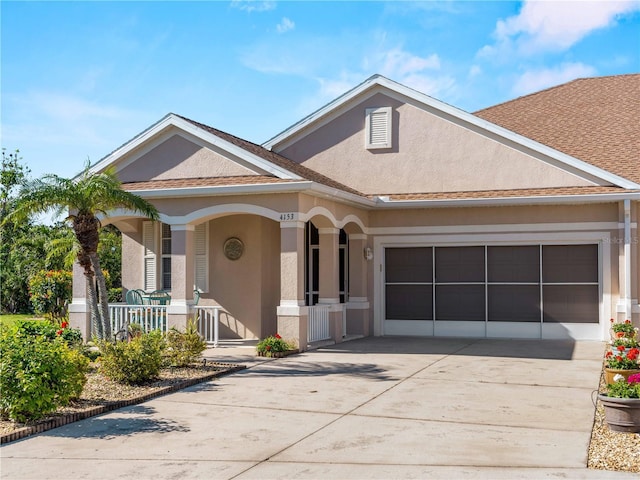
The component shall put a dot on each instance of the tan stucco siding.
(563, 214)
(178, 157)
(429, 154)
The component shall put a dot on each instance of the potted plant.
(622, 330)
(275, 346)
(621, 361)
(622, 404)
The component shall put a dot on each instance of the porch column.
(292, 314)
(358, 305)
(79, 310)
(182, 275)
(329, 273)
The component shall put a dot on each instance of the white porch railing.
(208, 320)
(150, 317)
(318, 323)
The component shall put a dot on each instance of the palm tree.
(84, 197)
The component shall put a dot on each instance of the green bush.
(185, 347)
(115, 295)
(273, 344)
(38, 373)
(50, 292)
(135, 361)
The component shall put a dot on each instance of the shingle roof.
(530, 192)
(203, 182)
(596, 120)
(274, 158)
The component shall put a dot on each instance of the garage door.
(490, 290)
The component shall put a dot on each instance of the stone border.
(100, 409)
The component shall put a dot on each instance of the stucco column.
(79, 310)
(292, 314)
(182, 275)
(358, 305)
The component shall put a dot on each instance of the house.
(388, 212)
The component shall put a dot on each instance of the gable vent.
(378, 127)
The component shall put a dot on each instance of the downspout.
(627, 258)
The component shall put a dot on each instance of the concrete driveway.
(375, 408)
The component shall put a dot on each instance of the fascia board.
(172, 120)
(288, 187)
(376, 83)
(509, 201)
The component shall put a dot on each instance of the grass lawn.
(7, 320)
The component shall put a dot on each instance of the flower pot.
(621, 414)
(609, 373)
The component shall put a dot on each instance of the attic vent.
(378, 127)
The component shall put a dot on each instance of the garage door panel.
(514, 303)
(460, 302)
(570, 303)
(409, 302)
(409, 264)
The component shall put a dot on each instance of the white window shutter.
(378, 127)
(150, 260)
(201, 248)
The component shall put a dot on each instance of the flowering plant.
(623, 329)
(622, 361)
(626, 342)
(272, 344)
(625, 387)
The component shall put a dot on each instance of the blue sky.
(79, 79)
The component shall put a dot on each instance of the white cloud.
(536, 80)
(554, 25)
(253, 5)
(285, 25)
(474, 71)
(399, 63)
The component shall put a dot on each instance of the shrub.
(115, 295)
(272, 344)
(135, 361)
(184, 348)
(50, 292)
(38, 373)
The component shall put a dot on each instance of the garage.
(526, 291)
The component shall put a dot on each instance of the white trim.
(292, 311)
(295, 224)
(495, 228)
(328, 231)
(387, 129)
(351, 305)
(182, 227)
(78, 305)
(358, 236)
(328, 300)
(379, 84)
(385, 202)
(627, 257)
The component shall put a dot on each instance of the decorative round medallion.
(233, 248)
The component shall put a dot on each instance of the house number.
(287, 217)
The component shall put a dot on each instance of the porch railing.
(150, 317)
(208, 320)
(318, 324)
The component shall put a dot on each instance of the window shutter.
(150, 262)
(378, 127)
(201, 257)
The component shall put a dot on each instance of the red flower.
(608, 354)
(627, 321)
(64, 324)
(612, 320)
(268, 347)
(620, 348)
(278, 336)
(635, 351)
(59, 332)
(620, 334)
(618, 358)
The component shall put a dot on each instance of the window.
(312, 265)
(156, 240)
(378, 128)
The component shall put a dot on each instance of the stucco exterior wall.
(247, 288)
(132, 256)
(178, 157)
(430, 154)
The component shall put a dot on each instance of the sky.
(79, 79)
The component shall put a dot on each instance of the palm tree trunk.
(103, 294)
(96, 324)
